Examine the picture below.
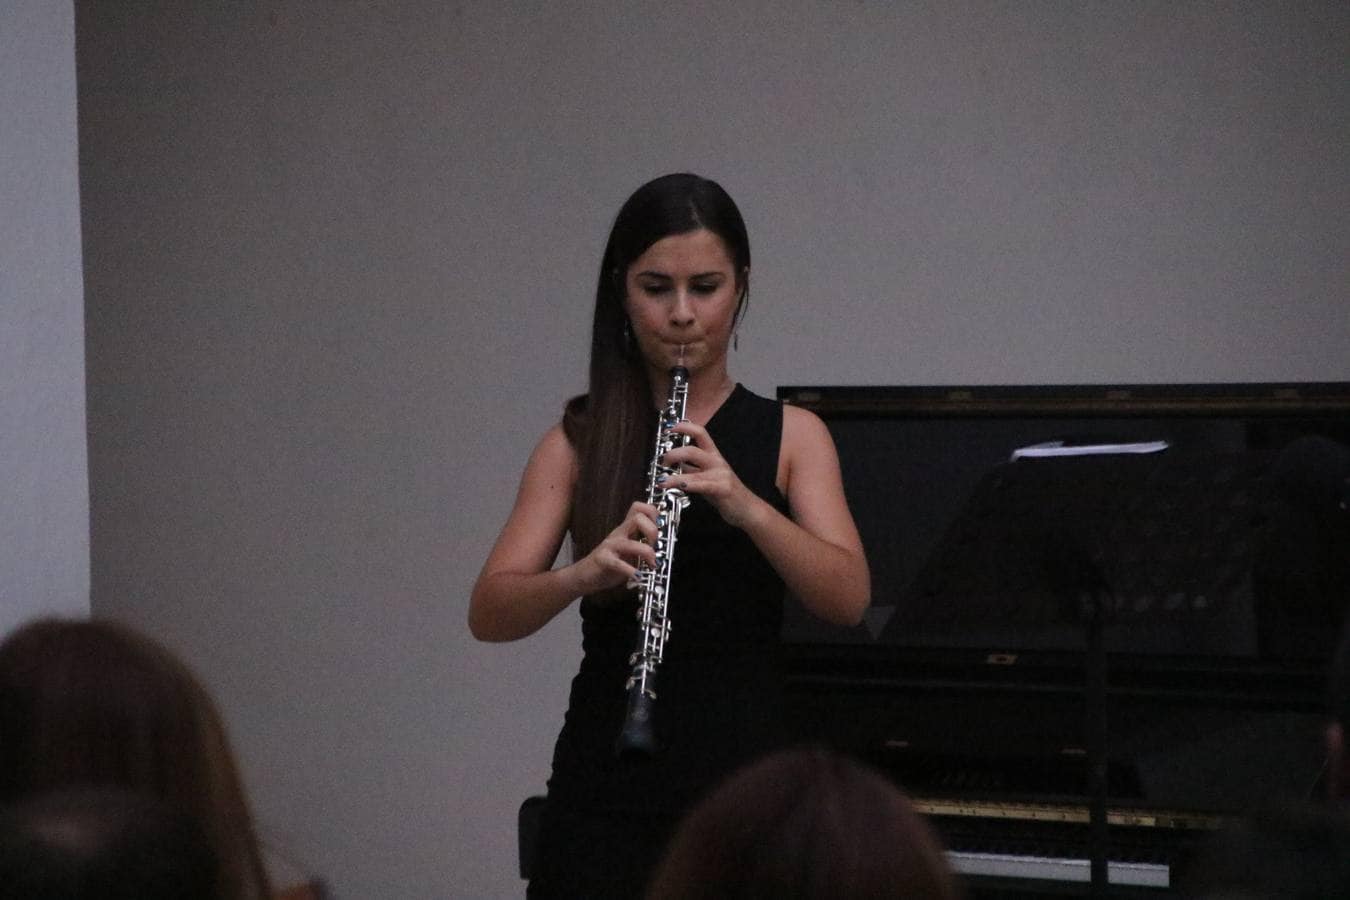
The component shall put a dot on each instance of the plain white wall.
(44, 486)
(340, 260)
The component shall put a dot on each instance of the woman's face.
(683, 292)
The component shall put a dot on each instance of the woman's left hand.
(707, 473)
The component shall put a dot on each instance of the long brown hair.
(94, 702)
(611, 425)
(805, 823)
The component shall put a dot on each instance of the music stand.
(1066, 545)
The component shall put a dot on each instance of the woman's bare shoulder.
(555, 440)
(806, 442)
(804, 430)
(554, 455)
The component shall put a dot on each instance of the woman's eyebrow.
(648, 273)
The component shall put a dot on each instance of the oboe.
(653, 582)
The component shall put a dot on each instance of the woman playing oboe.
(767, 516)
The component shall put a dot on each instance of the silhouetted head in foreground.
(805, 824)
(97, 703)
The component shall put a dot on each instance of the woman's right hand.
(615, 559)
(518, 591)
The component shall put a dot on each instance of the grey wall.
(339, 265)
(44, 488)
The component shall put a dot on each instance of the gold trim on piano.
(1048, 812)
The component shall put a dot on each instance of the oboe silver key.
(653, 582)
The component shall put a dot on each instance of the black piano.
(1102, 616)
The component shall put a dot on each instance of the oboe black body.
(638, 735)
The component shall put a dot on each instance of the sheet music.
(1063, 448)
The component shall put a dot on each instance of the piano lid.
(1171, 504)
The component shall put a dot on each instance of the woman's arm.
(817, 552)
(518, 592)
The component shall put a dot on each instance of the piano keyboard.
(1030, 841)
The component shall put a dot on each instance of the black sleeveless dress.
(719, 694)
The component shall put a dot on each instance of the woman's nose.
(682, 311)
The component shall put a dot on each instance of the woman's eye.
(704, 288)
(655, 289)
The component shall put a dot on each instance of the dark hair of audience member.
(804, 823)
(94, 702)
(104, 843)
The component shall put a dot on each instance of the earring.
(736, 339)
(627, 338)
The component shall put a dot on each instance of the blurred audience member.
(104, 843)
(92, 702)
(1336, 776)
(804, 823)
(1297, 852)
